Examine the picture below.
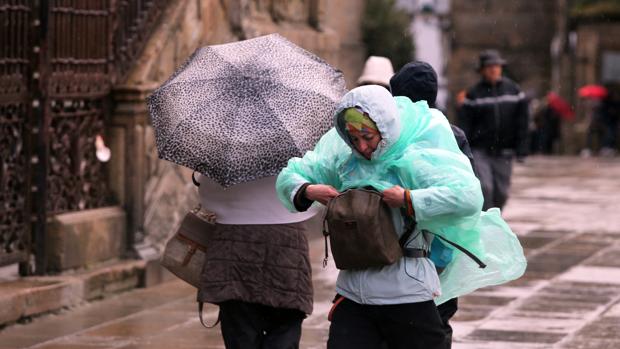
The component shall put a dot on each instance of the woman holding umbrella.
(257, 267)
(388, 148)
(236, 113)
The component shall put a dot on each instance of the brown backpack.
(361, 231)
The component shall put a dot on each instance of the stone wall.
(345, 18)
(157, 193)
(593, 39)
(330, 29)
(521, 30)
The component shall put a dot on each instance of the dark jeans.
(494, 173)
(446, 312)
(255, 326)
(410, 326)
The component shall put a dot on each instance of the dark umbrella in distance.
(237, 112)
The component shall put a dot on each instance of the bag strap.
(200, 306)
(480, 263)
(411, 224)
(196, 183)
(325, 235)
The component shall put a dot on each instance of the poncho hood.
(379, 104)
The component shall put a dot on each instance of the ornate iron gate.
(58, 61)
(15, 124)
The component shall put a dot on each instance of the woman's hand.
(321, 193)
(394, 196)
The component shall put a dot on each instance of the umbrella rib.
(191, 117)
(230, 169)
(239, 70)
(164, 88)
(214, 55)
(277, 69)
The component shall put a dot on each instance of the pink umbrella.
(593, 92)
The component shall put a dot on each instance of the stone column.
(127, 127)
(318, 12)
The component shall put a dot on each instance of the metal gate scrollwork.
(58, 61)
(15, 64)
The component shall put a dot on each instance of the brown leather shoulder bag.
(184, 253)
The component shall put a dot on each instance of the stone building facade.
(595, 59)
(557, 46)
(60, 106)
(97, 222)
(521, 30)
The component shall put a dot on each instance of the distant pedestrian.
(257, 267)
(418, 81)
(603, 129)
(610, 110)
(494, 117)
(377, 71)
(547, 119)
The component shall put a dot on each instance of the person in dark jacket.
(494, 117)
(418, 81)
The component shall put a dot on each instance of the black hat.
(490, 57)
(416, 80)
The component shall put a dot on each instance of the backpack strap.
(200, 306)
(410, 224)
(410, 252)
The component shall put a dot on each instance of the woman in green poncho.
(413, 158)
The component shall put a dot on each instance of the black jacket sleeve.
(461, 141)
(464, 117)
(522, 114)
(301, 202)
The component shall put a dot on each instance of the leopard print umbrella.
(237, 112)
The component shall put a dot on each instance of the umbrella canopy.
(592, 91)
(237, 112)
(560, 106)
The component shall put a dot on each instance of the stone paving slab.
(564, 212)
(67, 323)
(33, 296)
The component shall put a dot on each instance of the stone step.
(116, 320)
(26, 297)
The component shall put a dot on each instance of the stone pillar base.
(84, 238)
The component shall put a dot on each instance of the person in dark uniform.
(494, 117)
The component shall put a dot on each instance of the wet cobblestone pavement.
(564, 210)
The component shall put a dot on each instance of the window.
(610, 70)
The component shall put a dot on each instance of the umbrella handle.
(196, 183)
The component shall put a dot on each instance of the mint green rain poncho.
(418, 152)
